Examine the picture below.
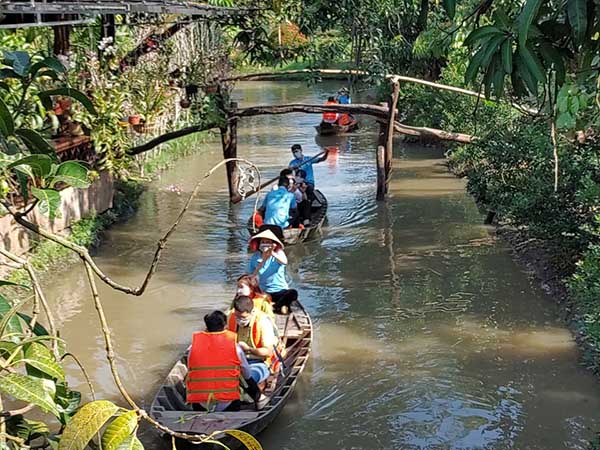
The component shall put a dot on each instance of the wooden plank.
(120, 7)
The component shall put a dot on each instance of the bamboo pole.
(336, 73)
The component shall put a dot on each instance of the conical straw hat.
(267, 234)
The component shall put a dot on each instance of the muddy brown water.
(427, 334)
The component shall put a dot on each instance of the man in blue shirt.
(344, 96)
(301, 162)
(278, 203)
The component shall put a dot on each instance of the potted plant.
(134, 119)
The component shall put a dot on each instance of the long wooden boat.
(327, 129)
(170, 409)
(292, 236)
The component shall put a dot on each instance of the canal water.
(427, 334)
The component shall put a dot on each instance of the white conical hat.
(267, 234)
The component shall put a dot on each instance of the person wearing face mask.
(280, 204)
(306, 163)
(215, 363)
(255, 336)
(268, 262)
(247, 285)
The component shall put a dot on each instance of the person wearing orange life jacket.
(255, 336)
(330, 117)
(215, 363)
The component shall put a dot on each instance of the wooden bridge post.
(381, 187)
(380, 158)
(389, 141)
(229, 142)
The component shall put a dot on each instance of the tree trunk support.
(380, 157)
(389, 141)
(229, 141)
(381, 181)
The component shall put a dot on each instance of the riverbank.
(48, 256)
(545, 266)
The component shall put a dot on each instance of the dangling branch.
(38, 295)
(85, 255)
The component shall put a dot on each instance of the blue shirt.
(308, 168)
(344, 99)
(277, 207)
(271, 276)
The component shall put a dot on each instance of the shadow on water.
(427, 335)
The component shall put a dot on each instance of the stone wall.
(75, 204)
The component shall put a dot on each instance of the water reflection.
(427, 335)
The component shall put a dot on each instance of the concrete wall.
(75, 204)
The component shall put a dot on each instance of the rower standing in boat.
(269, 262)
(306, 163)
(215, 363)
(343, 98)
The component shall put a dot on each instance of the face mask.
(244, 290)
(298, 155)
(243, 322)
(264, 247)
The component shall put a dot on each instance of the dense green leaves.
(28, 389)
(526, 18)
(36, 143)
(86, 424)
(19, 61)
(38, 356)
(7, 126)
(577, 13)
(131, 443)
(49, 201)
(119, 430)
(13, 325)
(73, 93)
(39, 166)
(73, 174)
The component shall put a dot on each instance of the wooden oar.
(273, 180)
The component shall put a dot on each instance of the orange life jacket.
(272, 361)
(330, 117)
(262, 302)
(213, 368)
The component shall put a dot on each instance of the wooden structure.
(292, 236)
(169, 407)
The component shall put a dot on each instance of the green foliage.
(85, 424)
(119, 431)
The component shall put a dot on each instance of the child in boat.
(303, 202)
(269, 262)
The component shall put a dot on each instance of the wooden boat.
(326, 129)
(170, 409)
(294, 235)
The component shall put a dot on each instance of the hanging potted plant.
(185, 103)
(134, 119)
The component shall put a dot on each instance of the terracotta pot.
(185, 103)
(135, 119)
(65, 104)
(58, 110)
